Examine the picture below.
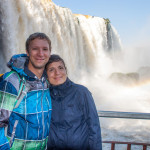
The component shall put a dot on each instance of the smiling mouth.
(39, 59)
(57, 78)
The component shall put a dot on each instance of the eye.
(45, 49)
(51, 69)
(35, 48)
(61, 68)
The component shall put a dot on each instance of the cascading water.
(90, 48)
(78, 39)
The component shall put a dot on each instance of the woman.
(75, 123)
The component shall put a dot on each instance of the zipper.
(42, 111)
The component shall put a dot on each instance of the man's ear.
(27, 53)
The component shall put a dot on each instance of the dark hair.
(55, 58)
(36, 36)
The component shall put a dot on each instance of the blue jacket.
(75, 122)
(28, 124)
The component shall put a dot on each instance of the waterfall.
(81, 40)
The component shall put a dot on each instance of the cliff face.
(80, 39)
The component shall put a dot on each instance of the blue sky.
(131, 18)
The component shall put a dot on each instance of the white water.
(82, 42)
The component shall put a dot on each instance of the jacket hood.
(17, 63)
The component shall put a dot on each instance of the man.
(25, 103)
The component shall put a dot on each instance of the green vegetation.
(107, 21)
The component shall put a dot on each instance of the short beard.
(37, 67)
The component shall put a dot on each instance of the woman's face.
(56, 73)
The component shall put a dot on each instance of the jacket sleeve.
(8, 94)
(95, 141)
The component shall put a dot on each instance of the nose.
(40, 52)
(57, 72)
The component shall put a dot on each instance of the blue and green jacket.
(27, 125)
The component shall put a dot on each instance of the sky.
(131, 18)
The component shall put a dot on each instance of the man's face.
(39, 54)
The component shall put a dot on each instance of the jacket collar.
(62, 89)
(31, 74)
